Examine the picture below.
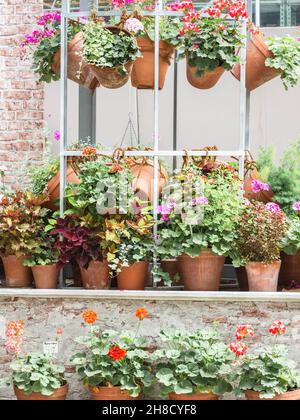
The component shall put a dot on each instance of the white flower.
(133, 25)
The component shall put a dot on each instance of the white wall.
(205, 117)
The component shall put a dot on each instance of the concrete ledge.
(163, 295)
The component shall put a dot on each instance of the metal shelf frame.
(244, 142)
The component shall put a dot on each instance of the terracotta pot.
(45, 276)
(195, 396)
(207, 80)
(263, 277)
(263, 196)
(201, 273)
(54, 185)
(105, 393)
(242, 279)
(290, 269)
(133, 277)
(142, 76)
(170, 267)
(256, 71)
(290, 395)
(16, 274)
(58, 394)
(110, 77)
(96, 276)
(76, 65)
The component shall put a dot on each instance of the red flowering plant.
(210, 37)
(113, 359)
(265, 370)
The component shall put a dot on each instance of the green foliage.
(192, 362)
(96, 368)
(40, 175)
(286, 59)
(106, 49)
(168, 28)
(44, 253)
(36, 373)
(290, 243)
(268, 372)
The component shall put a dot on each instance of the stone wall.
(21, 96)
(43, 315)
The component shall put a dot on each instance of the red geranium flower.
(239, 349)
(277, 328)
(117, 353)
(141, 313)
(243, 331)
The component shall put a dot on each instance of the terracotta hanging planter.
(54, 185)
(16, 274)
(96, 276)
(105, 393)
(208, 80)
(201, 273)
(133, 277)
(290, 269)
(142, 76)
(58, 394)
(257, 73)
(78, 70)
(263, 277)
(290, 395)
(196, 396)
(45, 276)
(111, 77)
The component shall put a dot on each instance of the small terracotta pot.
(16, 274)
(76, 64)
(105, 393)
(290, 269)
(290, 395)
(45, 276)
(201, 273)
(208, 80)
(58, 394)
(96, 276)
(54, 185)
(142, 76)
(256, 71)
(195, 396)
(242, 279)
(263, 277)
(133, 277)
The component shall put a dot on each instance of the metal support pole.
(244, 112)
(175, 109)
(257, 12)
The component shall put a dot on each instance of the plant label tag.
(50, 348)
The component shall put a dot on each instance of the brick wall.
(43, 316)
(21, 96)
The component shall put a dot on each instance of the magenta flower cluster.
(47, 20)
(121, 3)
(200, 201)
(273, 207)
(257, 186)
(296, 206)
(165, 210)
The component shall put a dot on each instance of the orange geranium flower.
(117, 353)
(141, 313)
(89, 150)
(90, 317)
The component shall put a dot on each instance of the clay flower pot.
(201, 273)
(263, 277)
(290, 269)
(207, 80)
(290, 395)
(16, 274)
(45, 276)
(133, 277)
(170, 267)
(256, 71)
(78, 70)
(58, 394)
(142, 76)
(54, 185)
(105, 393)
(96, 276)
(195, 396)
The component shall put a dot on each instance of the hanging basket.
(142, 76)
(256, 71)
(208, 80)
(78, 70)
(111, 77)
(207, 163)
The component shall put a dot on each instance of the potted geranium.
(114, 366)
(265, 373)
(209, 40)
(22, 219)
(201, 217)
(269, 58)
(261, 229)
(192, 365)
(35, 376)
